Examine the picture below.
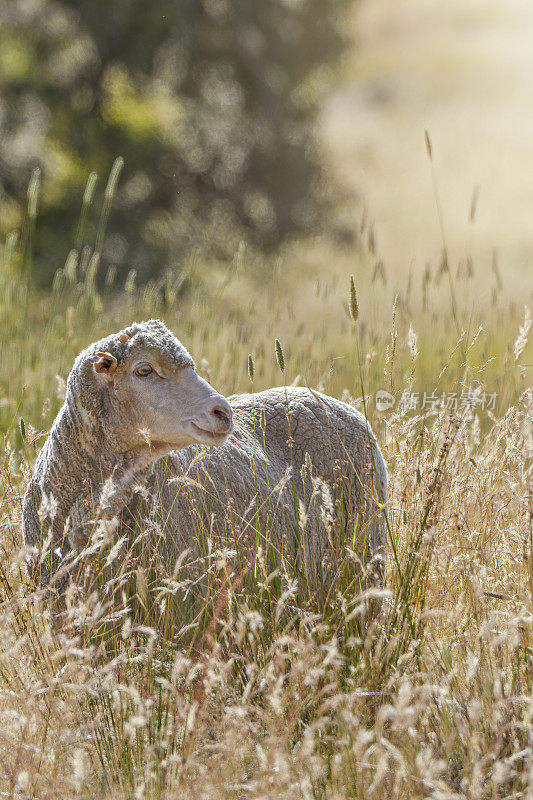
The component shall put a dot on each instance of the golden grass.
(261, 697)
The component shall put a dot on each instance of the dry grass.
(260, 696)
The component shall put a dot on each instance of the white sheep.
(261, 469)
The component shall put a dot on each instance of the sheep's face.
(152, 401)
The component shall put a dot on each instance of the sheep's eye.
(143, 371)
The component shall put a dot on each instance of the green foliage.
(211, 104)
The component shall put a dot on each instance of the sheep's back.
(329, 430)
(223, 492)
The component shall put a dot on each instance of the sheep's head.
(149, 393)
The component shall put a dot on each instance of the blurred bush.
(210, 102)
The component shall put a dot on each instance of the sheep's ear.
(105, 364)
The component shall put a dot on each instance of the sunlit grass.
(254, 691)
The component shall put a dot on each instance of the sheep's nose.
(224, 417)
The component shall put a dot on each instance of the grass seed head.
(354, 305)
(279, 356)
(33, 193)
(521, 341)
(429, 148)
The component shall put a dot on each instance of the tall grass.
(254, 691)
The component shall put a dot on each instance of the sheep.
(276, 465)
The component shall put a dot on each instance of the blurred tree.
(210, 102)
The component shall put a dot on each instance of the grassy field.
(268, 698)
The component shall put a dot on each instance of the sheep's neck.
(75, 465)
